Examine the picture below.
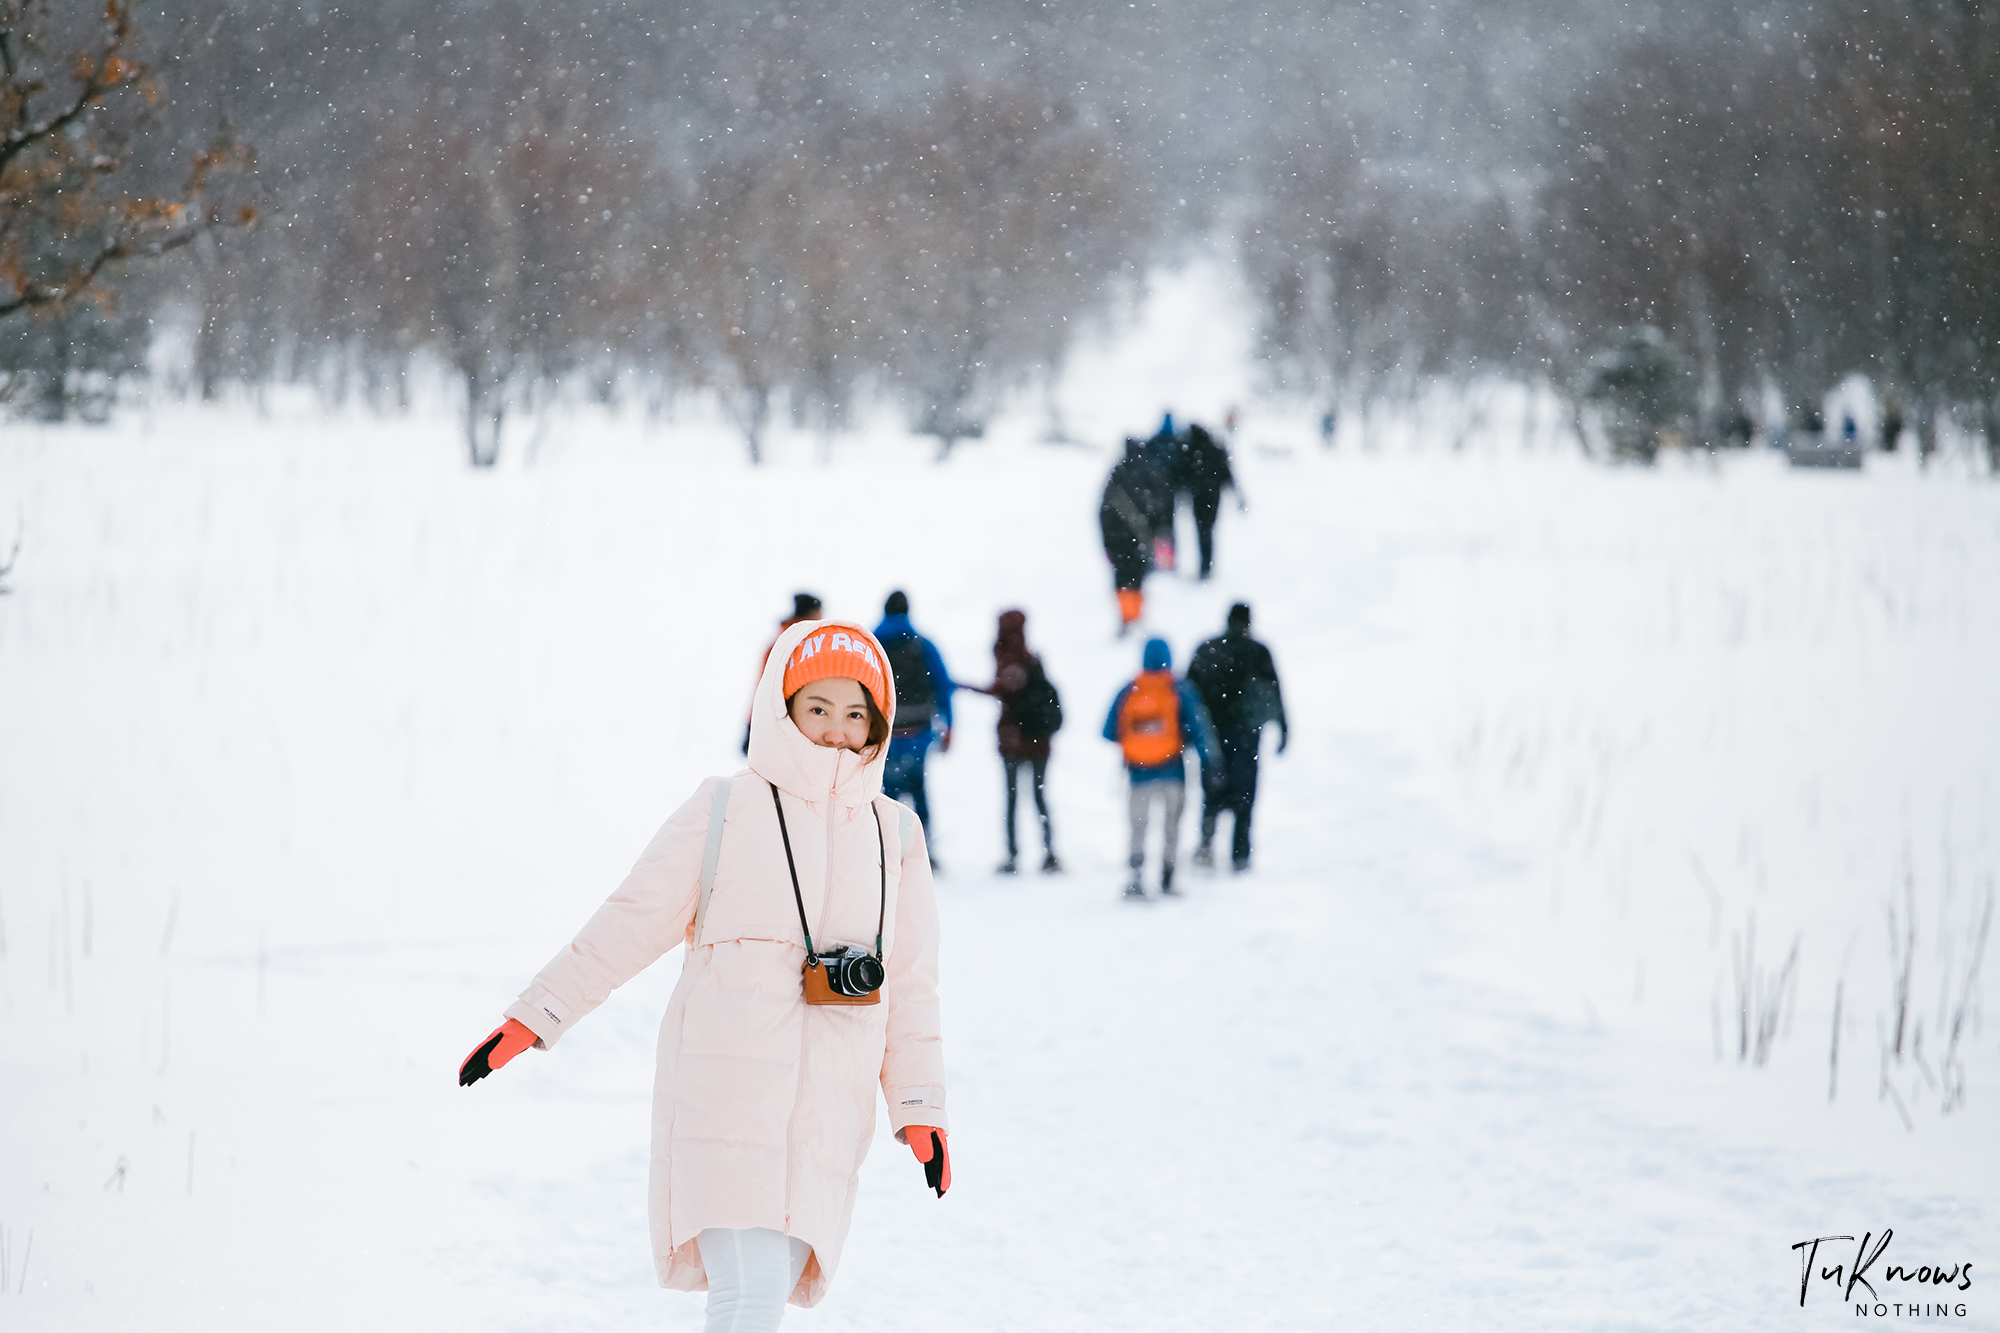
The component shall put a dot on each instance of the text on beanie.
(834, 652)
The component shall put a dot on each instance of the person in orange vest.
(1156, 719)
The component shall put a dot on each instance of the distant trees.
(797, 209)
(1785, 205)
(496, 246)
(1381, 274)
(1799, 205)
(71, 90)
(69, 358)
(768, 290)
(1010, 213)
(534, 203)
(938, 252)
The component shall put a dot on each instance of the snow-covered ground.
(314, 745)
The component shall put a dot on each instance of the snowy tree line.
(72, 90)
(1786, 204)
(797, 209)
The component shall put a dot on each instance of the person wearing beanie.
(805, 606)
(923, 706)
(1238, 682)
(1030, 714)
(763, 1107)
(1156, 719)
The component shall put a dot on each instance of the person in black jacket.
(1238, 684)
(1134, 495)
(1205, 473)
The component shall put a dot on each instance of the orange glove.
(933, 1149)
(507, 1041)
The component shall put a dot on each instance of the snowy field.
(315, 745)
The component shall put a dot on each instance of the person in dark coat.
(1205, 472)
(1238, 684)
(1027, 722)
(1134, 495)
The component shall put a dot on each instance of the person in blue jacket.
(1156, 719)
(1164, 451)
(923, 708)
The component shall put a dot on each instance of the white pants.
(751, 1271)
(1171, 795)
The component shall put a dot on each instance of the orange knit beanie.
(836, 649)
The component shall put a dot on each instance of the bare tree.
(62, 223)
(1007, 213)
(741, 258)
(493, 244)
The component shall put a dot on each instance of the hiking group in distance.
(1141, 498)
(1216, 712)
(1230, 694)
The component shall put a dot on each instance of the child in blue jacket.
(1155, 719)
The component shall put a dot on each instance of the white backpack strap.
(906, 821)
(718, 809)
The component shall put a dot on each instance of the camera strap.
(798, 899)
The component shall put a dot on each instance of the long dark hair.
(878, 729)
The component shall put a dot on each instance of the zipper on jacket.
(826, 904)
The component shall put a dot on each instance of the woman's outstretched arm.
(648, 914)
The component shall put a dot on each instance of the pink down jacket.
(764, 1106)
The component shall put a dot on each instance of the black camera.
(852, 971)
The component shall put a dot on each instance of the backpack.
(916, 705)
(1149, 723)
(1038, 708)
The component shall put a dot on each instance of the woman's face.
(832, 712)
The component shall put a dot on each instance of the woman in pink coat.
(764, 1104)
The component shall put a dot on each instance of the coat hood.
(1012, 645)
(780, 753)
(1159, 657)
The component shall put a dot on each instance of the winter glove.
(508, 1040)
(944, 746)
(932, 1149)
